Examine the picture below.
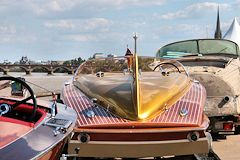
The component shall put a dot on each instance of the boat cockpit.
(22, 108)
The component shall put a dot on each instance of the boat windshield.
(101, 66)
(201, 47)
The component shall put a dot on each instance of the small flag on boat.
(128, 52)
(129, 57)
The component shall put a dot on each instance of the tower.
(218, 33)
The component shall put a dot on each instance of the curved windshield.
(198, 48)
(101, 66)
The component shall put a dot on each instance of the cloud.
(7, 33)
(7, 29)
(86, 25)
(182, 28)
(45, 7)
(168, 33)
(194, 10)
(10, 34)
(237, 3)
(94, 29)
(70, 9)
(124, 3)
(60, 24)
(81, 38)
(96, 23)
(18, 38)
(4, 4)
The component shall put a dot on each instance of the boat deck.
(192, 101)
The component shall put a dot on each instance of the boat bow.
(133, 95)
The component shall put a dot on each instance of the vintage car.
(215, 64)
(134, 111)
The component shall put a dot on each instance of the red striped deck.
(193, 101)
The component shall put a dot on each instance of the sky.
(68, 29)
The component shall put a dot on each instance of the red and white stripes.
(193, 101)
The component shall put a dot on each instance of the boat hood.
(136, 93)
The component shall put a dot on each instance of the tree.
(76, 61)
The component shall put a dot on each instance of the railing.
(28, 68)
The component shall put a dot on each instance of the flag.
(129, 57)
(128, 52)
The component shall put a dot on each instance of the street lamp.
(135, 42)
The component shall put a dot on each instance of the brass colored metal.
(133, 96)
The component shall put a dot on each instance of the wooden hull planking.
(193, 101)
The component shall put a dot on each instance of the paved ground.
(50, 83)
(228, 149)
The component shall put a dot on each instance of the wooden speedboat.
(128, 110)
(214, 63)
(31, 129)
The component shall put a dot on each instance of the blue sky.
(67, 29)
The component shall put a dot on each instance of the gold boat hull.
(118, 92)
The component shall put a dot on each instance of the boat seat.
(24, 109)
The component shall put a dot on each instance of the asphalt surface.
(228, 149)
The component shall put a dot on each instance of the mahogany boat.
(30, 128)
(125, 109)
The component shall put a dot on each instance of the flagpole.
(135, 42)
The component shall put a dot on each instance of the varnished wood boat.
(30, 128)
(129, 110)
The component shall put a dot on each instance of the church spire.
(218, 33)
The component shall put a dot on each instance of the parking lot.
(228, 149)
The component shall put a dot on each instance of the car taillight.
(228, 126)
